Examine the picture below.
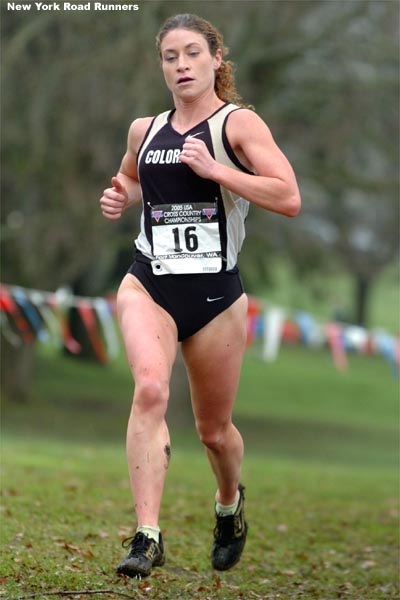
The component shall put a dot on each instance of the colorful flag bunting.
(27, 315)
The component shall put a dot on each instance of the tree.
(331, 98)
(67, 104)
(322, 74)
(348, 119)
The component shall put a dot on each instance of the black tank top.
(166, 181)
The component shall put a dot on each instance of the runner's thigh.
(149, 332)
(213, 358)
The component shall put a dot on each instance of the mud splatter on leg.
(167, 451)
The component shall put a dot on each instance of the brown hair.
(225, 87)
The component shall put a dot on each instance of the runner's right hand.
(114, 200)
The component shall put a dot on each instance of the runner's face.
(189, 69)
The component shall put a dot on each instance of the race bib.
(186, 238)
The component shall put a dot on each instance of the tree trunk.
(17, 371)
(361, 300)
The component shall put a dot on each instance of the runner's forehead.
(186, 47)
(182, 38)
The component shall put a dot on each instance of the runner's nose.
(181, 63)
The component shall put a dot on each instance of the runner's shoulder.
(137, 131)
(241, 121)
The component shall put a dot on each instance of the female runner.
(196, 168)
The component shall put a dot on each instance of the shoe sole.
(237, 560)
(137, 572)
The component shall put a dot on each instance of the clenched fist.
(114, 200)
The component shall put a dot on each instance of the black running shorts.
(191, 300)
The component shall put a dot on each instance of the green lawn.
(320, 474)
(315, 531)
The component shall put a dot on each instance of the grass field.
(320, 474)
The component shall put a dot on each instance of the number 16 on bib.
(186, 238)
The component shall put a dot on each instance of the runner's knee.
(151, 396)
(213, 436)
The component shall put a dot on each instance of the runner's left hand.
(196, 155)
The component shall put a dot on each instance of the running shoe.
(144, 554)
(229, 537)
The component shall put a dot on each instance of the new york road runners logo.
(157, 215)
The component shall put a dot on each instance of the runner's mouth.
(184, 80)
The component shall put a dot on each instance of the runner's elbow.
(293, 205)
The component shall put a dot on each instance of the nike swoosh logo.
(214, 299)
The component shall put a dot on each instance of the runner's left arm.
(273, 188)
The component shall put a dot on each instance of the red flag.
(8, 304)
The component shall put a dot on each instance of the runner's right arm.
(126, 189)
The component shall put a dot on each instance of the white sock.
(151, 532)
(224, 510)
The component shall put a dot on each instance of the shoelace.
(139, 542)
(224, 529)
